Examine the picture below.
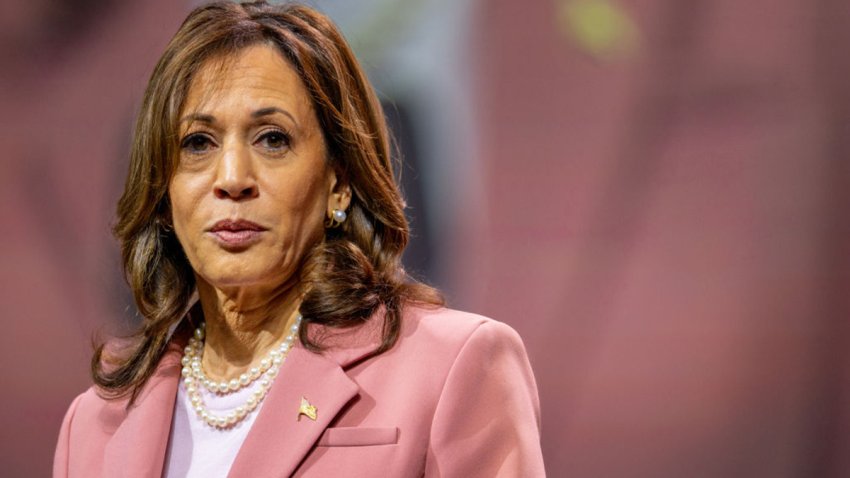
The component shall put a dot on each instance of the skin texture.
(251, 149)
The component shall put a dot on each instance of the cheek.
(302, 212)
(300, 196)
(185, 192)
(184, 200)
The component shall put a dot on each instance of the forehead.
(254, 77)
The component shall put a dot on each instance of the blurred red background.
(652, 192)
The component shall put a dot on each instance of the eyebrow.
(272, 110)
(210, 119)
(198, 117)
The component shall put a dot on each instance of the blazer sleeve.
(63, 447)
(487, 420)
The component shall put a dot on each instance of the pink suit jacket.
(454, 398)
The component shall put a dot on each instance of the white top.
(196, 449)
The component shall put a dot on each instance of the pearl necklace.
(193, 376)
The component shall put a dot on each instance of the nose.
(235, 179)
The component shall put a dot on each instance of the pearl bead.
(194, 377)
(339, 215)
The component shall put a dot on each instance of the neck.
(243, 325)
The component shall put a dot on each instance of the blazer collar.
(278, 440)
(280, 437)
(348, 346)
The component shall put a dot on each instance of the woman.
(262, 232)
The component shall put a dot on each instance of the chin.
(243, 272)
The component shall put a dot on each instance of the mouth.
(238, 233)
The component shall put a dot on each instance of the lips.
(238, 233)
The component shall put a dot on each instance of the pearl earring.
(336, 218)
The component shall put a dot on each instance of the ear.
(339, 196)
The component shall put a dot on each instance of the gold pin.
(306, 409)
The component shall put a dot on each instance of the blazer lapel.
(278, 441)
(138, 446)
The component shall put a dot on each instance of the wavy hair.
(346, 277)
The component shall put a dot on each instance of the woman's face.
(253, 186)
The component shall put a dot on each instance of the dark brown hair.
(347, 277)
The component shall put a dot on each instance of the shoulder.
(90, 413)
(438, 333)
(88, 425)
(487, 398)
(449, 328)
(93, 417)
(445, 341)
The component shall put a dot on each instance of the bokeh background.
(654, 193)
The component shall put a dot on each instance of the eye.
(275, 141)
(196, 143)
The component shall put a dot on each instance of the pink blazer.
(454, 398)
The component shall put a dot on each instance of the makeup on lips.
(236, 232)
